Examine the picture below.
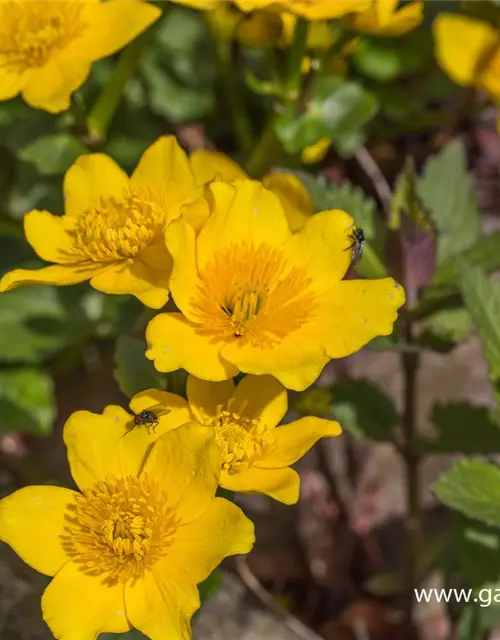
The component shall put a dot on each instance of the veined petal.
(137, 278)
(160, 607)
(49, 237)
(113, 24)
(175, 343)
(31, 522)
(164, 170)
(55, 274)
(213, 165)
(103, 445)
(294, 197)
(178, 408)
(291, 441)
(90, 178)
(187, 462)
(243, 212)
(76, 606)
(181, 243)
(260, 398)
(205, 397)
(200, 546)
(281, 484)
(358, 311)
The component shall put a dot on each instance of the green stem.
(106, 105)
(264, 154)
(294, 76)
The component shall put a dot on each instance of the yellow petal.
(90, 178)
(136, 278)
(200, 546)
(50, 87)
(113, 24)
(160, 607)
(316, 152)
(260, 398)
(55, 274)
(174, 343)
(12, 83)
(461, 62)
(242, 212)
(291, 441)
(187, 462)
(184, 282)
(49, 237)
(178, 408)
(281, 484)
(164, 171)
(360, 310)
(205, 397)
(76, 606)
(302, 377)
(210, 165)
(294, 197)
(31, 522)
(404, 20)
(326, 9)
(102, 445)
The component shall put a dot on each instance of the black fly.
(148, 417)
(358, 243)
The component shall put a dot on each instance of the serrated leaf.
(364, 410)
(407, 202)
(447, 191)
(133, 371)
(26, 401)
(473, 488)
(52, 154)
(482, 299)
(464, 428)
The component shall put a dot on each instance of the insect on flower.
(358, 243)
(148, 417)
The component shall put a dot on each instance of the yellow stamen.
(119, 529)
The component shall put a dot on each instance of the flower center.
(117, 228)
(254, 294)
(31, 31)
(118, 529)
(241, 440)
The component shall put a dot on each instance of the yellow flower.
(112, 231)
(469, 51)
(258, 299)
(308, 9)
(255, 454)
(129, 548)
(384, 18)
(316, 152)
(47, 47)
(294, 197)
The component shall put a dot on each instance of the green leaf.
(364, 410)
(446, 190)
(478, 551)
(443, 330)
(464, 428)
(26, 401)
(52, 154)
(407, 202)
(482, 299)
(133, 371)
(211, 585)
(338, 110)
(473, 488)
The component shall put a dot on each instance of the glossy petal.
(31, 522)
(174, 343)
(164, 170)
(55, 274)
(205, 397)
(294, 197)
(103, 445)
(281, 484)
(49, 237)
(303, 377)
(291, 441)
(242, 212)
(178, 414)
(360, 310)
(260, 398)
(200, 546)
(76, 606)
(12, 83)
(90, 178)
(184, 282)
(160, 607)
(404, 20)
(187, 462)
(212, 165)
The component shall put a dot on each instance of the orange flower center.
(117, 228)
(32, 31)
(253, 294)
(241, 440)
(118, 529)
